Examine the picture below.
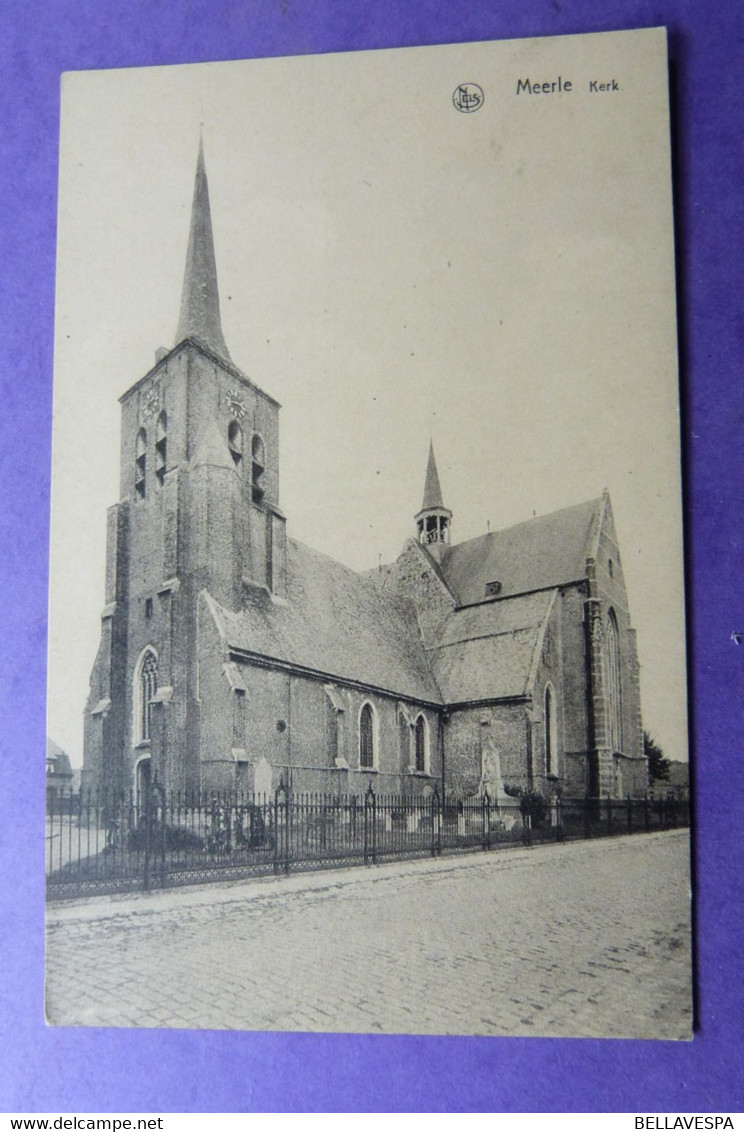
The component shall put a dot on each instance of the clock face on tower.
(235, 404)
(150, 402)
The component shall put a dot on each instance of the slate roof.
(200, 303)
(432, 489)
(336, 622)
(488, 651)
(550, 550)
(343, 625)
(62, 764)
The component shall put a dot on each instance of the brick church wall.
(414, 576)
(467, 731)
(573, 682)
(286, 721)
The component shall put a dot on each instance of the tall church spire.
(200, 301)
(433, 520)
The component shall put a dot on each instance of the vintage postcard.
(367, 652)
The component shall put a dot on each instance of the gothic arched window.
(367, 738)
(258, 465)
(235, 442)
(161, 447)
(551, 732)
(140, 464)
(145, 687)
(614, 689)
(421, 744)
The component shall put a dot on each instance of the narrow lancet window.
(258, 465)
(140, 464)
(367, 738)
(420, 738)
(614, 689)
(161, 448)
(551, 760)
(235, 442)
(146, 685)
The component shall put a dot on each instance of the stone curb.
(89, 909)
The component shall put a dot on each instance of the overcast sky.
(390, 269)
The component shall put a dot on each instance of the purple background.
(52, 1070)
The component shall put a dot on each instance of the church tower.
(198, 512)
(433, 520)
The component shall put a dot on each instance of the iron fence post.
(434, 821)
(440, 823)
(526, 827)
(111, 842)
(146, 874)
(163, 831)
(277, 825)
(288, 827)
(154, 833)
(366, 823)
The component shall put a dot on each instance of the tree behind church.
(658, 766)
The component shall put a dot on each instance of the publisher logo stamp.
(467, 98)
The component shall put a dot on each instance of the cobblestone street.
(583, 939)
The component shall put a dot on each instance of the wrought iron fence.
(105, 842)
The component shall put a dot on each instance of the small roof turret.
(433, 520)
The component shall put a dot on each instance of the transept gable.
(543, 552)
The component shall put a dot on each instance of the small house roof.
(61, 760)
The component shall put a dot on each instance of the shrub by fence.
(104, 842)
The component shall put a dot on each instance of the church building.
(232, 656)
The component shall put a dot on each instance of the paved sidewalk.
(583, 939)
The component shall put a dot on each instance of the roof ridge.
(526, 522)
